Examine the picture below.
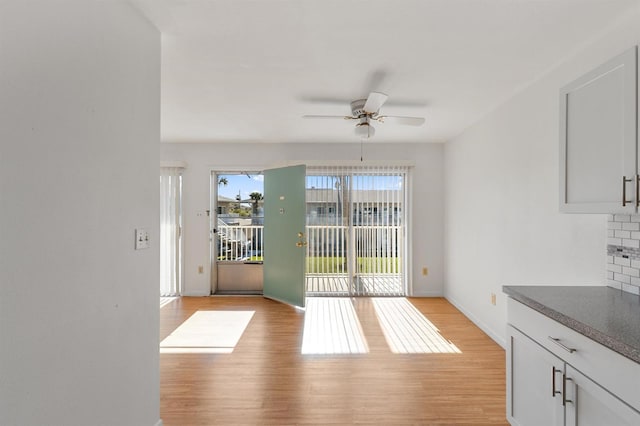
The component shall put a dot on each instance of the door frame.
(214, 173)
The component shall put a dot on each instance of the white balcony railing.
(240, 242)
(378, 248)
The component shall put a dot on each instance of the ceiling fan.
(368, 110)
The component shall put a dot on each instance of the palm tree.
(255, 198)
(223, 181)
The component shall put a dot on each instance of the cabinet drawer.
(618, 374)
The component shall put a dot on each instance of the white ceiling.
(247, 70)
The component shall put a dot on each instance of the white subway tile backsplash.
(623, 252)
(614, 268)
(631, 226)
(622, 218)
(625, 279)
(622, 234)
(622, 261)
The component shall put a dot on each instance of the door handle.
(301, 242)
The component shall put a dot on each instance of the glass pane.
(240, 217)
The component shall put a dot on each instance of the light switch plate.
(142, 239)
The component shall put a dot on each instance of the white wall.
(427, 206)
(502, 181)
(79, 135)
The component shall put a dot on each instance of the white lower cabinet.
(592, 405)
(535, 376)
(558, 377)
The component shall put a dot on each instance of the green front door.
(284, 234)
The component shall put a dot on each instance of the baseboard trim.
(196, 294)
(481, 325)
(427, 294)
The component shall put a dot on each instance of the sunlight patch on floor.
(407, 330)
(208, 332)
(331, 326)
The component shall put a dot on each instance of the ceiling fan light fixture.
(365, 130)
(368, 110)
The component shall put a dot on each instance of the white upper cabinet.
(598, 139)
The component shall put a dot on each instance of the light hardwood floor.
(267, 381)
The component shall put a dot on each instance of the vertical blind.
(170, 231)
(356, 219)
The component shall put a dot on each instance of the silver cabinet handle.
(564, 390)
(554, 370)
(563, 346)
(638, 190)
(624, 190)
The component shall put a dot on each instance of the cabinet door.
(598, 139)
(592, 405)
(534, 383)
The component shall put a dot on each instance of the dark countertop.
(608, 316)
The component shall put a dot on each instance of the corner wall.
(427, 208)
(79, 135)
(503, 225)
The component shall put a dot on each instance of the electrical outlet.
(493, 299)
(425, 271)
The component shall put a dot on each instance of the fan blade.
(374, 102)
(375, 80)
(409, 121)
(343, 117)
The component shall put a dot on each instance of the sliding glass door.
(328, 231)
(356, 226)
